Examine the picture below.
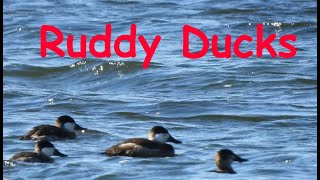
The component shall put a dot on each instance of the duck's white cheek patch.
(69, 126)
(162, 137)
(48, 151)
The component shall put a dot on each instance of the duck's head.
(161, 135)
(224, 159)
(68, 123)
(46, 148)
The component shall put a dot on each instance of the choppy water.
(263, 109)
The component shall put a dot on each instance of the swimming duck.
(224, 159)
(43, 151)
(64, 128)
(154, 146)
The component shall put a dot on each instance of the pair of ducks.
(154, 146)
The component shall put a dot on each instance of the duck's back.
(48, 131)
(140, 147)
(30, 157)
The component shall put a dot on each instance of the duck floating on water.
(224, 159)
(43, 151)
(64, 128)
(154, 146)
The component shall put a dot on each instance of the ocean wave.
(82, 66)
(210, 117)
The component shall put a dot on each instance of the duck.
(154, 146)
(43, 151)
(64, 128)
(224, 159)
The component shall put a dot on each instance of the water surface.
(264, 109)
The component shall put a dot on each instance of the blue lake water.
(264, 109)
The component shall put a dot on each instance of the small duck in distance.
(224, 159)
(64, 128)
(43, 151)
(154, 146)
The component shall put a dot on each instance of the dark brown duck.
(224, 158)
(64, 128)
(43, 151)
(154, 146)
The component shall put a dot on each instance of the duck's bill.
(77, 127)
(57, 153)
(171, 139)
(239, 159)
